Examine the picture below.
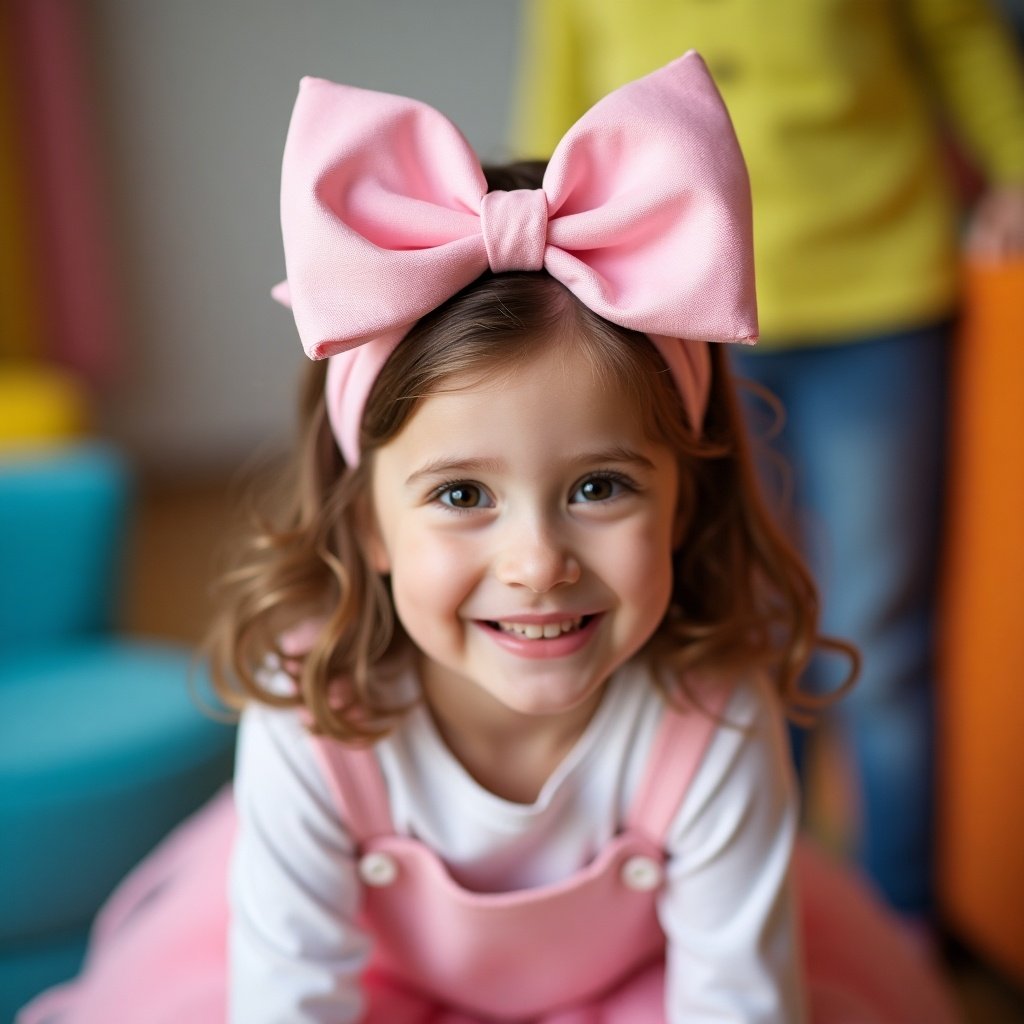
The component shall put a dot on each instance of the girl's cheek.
(644, 563)
(432, 564)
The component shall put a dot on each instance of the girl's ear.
(373, 543)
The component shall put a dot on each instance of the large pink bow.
(644, 215)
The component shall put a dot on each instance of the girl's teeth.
(536, 631)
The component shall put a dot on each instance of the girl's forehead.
(543, 363)
(554, 395)
(571, 374)
(542, 373)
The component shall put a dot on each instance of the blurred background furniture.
(981, 843)
(104, 744)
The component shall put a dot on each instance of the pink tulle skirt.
(158, 952)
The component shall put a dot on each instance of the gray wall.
(195, 97)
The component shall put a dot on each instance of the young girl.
(514, 670)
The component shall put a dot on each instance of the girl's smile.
(527, 524)
(543, 636)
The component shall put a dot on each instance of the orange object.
(981, 802)
(21, 307)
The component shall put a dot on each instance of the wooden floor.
(181, 535)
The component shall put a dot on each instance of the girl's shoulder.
(270, 725)
(737, 696)
(746, 764)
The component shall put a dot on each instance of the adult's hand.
(996, 230)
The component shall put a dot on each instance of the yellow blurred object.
(855, 225)
(38, 404)
(981, 843)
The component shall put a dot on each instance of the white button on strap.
(378, 869)
(641, 874)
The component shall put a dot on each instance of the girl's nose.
(536, 560)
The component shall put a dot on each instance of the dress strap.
(357, 784)
(679, 745)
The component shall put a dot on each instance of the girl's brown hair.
(741, 596)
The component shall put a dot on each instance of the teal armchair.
(103, 744)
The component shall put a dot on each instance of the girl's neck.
(508, 753)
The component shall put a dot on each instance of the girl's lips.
(546, 647)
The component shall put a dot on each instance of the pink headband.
(644, 215)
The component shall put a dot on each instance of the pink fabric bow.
(644, 215)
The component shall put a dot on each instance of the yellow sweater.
(855, 219)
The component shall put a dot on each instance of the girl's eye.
(463, 496)
(601, 487)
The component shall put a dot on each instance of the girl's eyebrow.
(616, 453)
(448, 467)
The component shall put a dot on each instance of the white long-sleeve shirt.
(296, 951)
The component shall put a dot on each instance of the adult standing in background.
(842, 108)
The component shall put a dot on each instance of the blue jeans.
(864, 441)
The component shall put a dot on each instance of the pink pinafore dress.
(587, 950)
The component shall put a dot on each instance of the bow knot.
(515, 229)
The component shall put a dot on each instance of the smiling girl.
(514, 668)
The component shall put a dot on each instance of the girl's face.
(527, 524)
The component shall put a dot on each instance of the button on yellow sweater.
(834, 104)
